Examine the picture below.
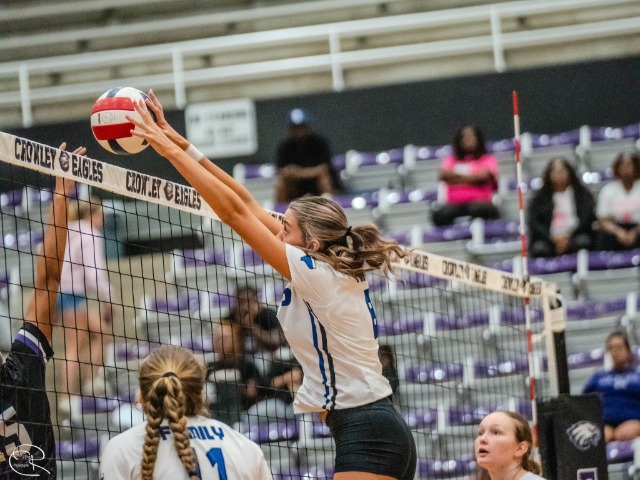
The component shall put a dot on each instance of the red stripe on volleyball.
(113, 103)
(113, 132)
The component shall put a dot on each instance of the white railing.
(336, 61)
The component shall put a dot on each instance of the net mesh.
(452, 335)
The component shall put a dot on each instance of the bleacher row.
(440, 397)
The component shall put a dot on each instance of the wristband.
(194, 153)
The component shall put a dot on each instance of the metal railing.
(336, 61)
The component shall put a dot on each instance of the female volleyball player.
(27, 444)
(325, 312)
(503, 448)
(171, 383)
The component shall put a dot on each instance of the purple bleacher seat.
(469, 415)
(631, 131)
(516, 316)
(221, 300)
(40, 196)
(393, 156)
(506, 145)
(75, 450)
(198, 344)
(311, 473)
(280, 207)
(201, 257)
(401, 326)
(263, 170)
(444, 234)
(133, 351)
(172, 303)
(444, 151)
(428, 468)
(447, 322)
(500, 228)
(571, 137)
(251, 257)
(98, 405)
(542, 266)
(403, 238)
(434, 374)
(419, 280)
(612, 260)
(285, 430)
(421, 418)
(11, 199)
(594, 358)
(427, 153)
(620, 452)
(31, 238)
(492, 368)
(356, 201)
(320, 429)
(582, 310)
(339, 161)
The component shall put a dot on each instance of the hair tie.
(170, 374)
(348, 238)
(348, 232)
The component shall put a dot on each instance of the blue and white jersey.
(222, 452)
(332, 329)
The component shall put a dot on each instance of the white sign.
(222, 129)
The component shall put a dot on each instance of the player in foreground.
(27, 446)
(325, 312)
(503, 448)
(178, 441)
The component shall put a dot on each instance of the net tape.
(49, 160)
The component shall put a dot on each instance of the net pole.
(525, 270)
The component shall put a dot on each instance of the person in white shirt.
(503, 448)
(325, 313)
(178, 441)
(619, 206)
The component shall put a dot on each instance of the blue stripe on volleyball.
(112, 92)
(314, 331)
(332, 371)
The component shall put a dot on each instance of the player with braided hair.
(179, 441)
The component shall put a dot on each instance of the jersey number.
(217, 459)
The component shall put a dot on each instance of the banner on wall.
(223, 129)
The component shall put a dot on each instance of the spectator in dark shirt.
(27, 444)
(304, 162)
(561, 214)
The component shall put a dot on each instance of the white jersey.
(221, 451)
(332, 329)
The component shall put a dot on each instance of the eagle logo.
(584, 435)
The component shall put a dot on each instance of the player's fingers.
(80, 151)
(155, 100)
(63, 146)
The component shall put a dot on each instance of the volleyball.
(108, 123)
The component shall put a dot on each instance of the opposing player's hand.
(148, 129)
(64, 186)
(155, 106)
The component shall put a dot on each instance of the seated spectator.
(561, 214)
(619, 206)
(619, 390)
(503, 448)
(234, 375)
(304, 162)
(471, 178)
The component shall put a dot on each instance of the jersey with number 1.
(331, 326)
(222, 453)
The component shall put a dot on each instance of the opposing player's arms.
(42, 305)
(260, 213)
(225, 201)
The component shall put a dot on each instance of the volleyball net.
(457, 340)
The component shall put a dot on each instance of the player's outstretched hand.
(155, 106)
(148, 129)
(65, 186)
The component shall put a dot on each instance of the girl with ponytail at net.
(326, 313)
(179, 441)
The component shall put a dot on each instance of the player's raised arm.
(42, 306)
(230, 207)
(260, 213)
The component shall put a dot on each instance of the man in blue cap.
(304, 162)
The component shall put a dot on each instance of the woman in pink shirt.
(84, 301)
(471, 178)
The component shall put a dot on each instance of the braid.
(174, 402)
(152, 439)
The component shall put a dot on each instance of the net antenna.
(525, 273)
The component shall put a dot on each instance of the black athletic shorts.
(373, 438)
